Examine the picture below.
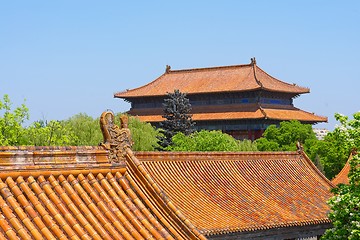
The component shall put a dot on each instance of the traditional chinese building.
(241, 100)
(111, 192)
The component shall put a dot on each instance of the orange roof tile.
(236, 113)
(106, 192)
(231, 192)
(77, 203)
(292, 114)
(84, 193)
(236, 78)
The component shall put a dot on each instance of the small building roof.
(237, 192)
(237, 78)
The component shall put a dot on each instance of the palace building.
(241, 100)
(111, 192)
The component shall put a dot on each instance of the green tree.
(332, 153)
(53, 133)
(289, 133)
(209, 141)
(286, 136)
(177, 116)
(85, 128)
(345, 204)
(143, 135)
(11, 122)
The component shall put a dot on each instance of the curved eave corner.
(342, 176)
(312, 165)
(292, 88)
(118, 141)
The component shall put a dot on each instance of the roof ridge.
(253, 64)
(312, 165)
(262, 111)
(152, 155)
(207, 68)
(48, 148)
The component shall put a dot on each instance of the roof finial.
(299, 146)
(168, 68)
(253, 61)
(116, 139)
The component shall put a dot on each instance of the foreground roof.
(234, 112)
(247, 77)
(107, 192)
(85, 193)
(235, 192)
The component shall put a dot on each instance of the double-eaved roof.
(237, 78)
(224, 79)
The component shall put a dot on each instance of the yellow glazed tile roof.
(108, 192)
(232, 192)
(84, 206)
(236, 113)
(85, 193)
(247, 77)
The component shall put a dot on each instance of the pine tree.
(177, 110)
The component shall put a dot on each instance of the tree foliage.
(53, 133)
(85, 128)
(78, 130)
(143, 135)
(177, 116)
(332, 153)
(209, 141)
(345, 204)
(11, 121)
(288, 134)
(335, 149)
(285, 137)
(329, 155)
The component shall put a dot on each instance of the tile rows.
(221, 194)
(245, 77)
(85, 206)
(277, 114)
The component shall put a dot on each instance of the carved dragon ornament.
(116, 139)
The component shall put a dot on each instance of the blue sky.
(67, 57)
